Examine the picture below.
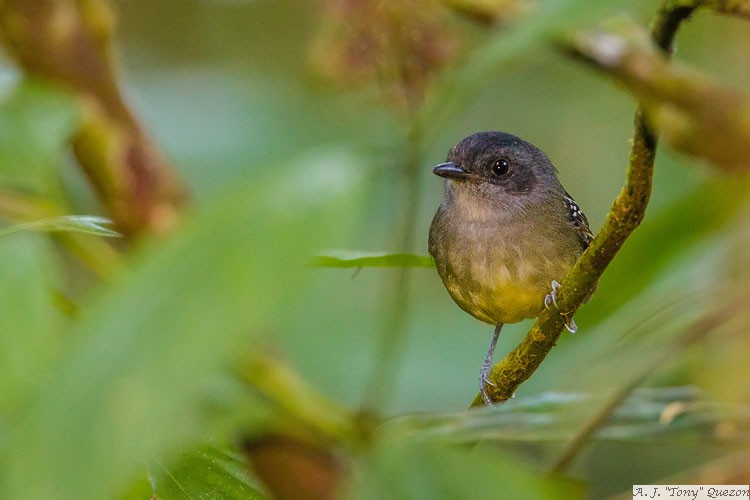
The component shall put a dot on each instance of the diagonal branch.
(624, 216)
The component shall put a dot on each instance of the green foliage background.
(137, 381)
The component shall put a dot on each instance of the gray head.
(499, 167)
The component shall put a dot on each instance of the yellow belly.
(505, 302)
(500, 272)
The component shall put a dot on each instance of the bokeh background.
(242, 92)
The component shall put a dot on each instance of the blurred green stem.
(625, 215)
(395, 306)
(288, 392)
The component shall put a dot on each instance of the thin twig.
(392, 337)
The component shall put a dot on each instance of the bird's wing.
(579, 221)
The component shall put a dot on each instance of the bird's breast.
(499, 273)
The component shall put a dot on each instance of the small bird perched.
(505, 233)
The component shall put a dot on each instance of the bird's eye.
(500, 167)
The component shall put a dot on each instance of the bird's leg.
(484, 374)
(551, 298)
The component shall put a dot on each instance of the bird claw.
(484, 381)
(571, 326)
(551, 297)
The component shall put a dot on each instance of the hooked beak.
(451, 170)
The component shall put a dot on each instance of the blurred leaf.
(423, 470)
(207, 473)
(134, 386)
(344, 258)
(654, 415)
(96, 253)
(36, 121)
(30, 336)
(88, 224)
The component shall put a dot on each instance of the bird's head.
(498, 166)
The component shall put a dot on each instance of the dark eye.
(500, 167)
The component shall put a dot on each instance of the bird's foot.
(484, 381)
(571, 326)
(551, 297)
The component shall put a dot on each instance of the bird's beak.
(451, 170)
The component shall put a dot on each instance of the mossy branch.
(624, 216)
(695, 114)
(68, 42)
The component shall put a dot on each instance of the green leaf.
(136, 384)
(204, 473)
(554, 417)
(345, 259)
(89, 224)
(423, 470)
(36, 121)
(30, 336)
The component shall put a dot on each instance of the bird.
(506, 233)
